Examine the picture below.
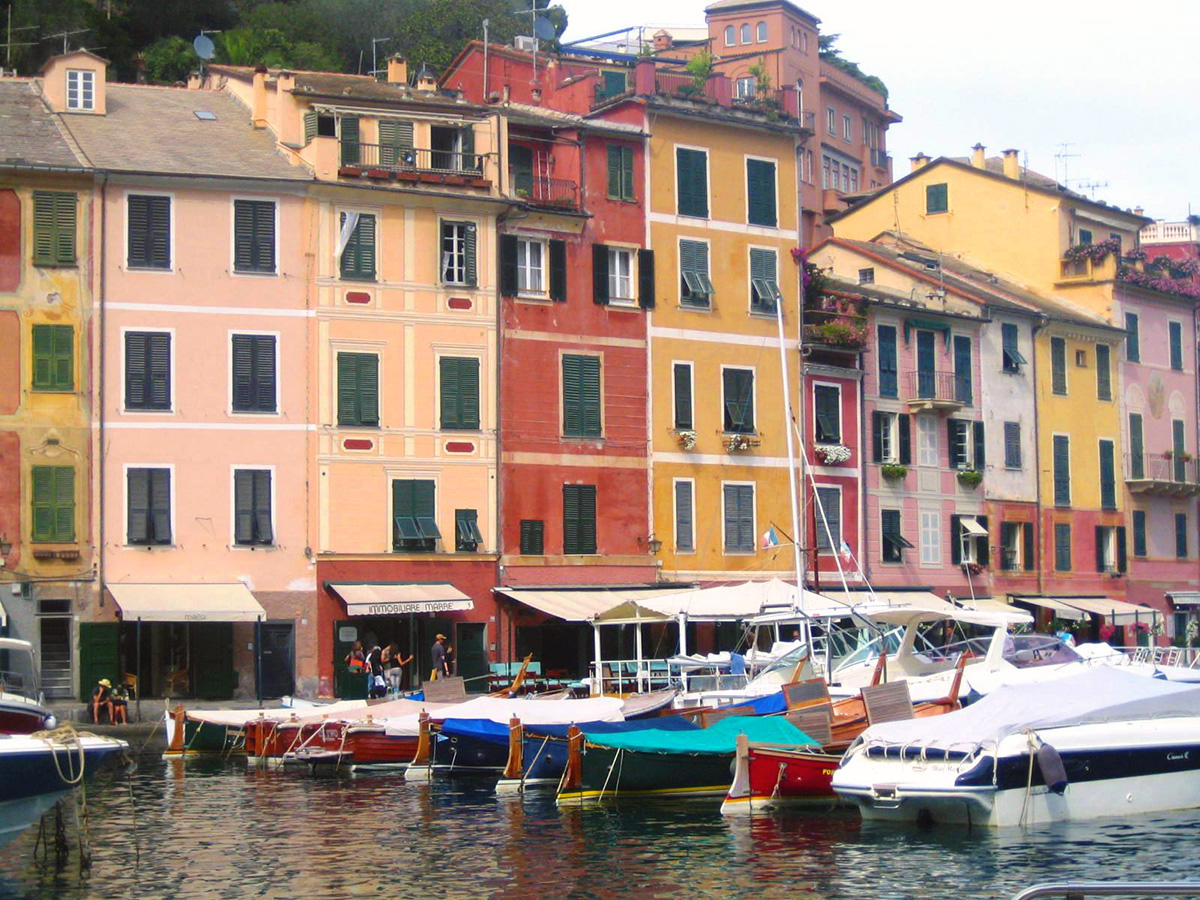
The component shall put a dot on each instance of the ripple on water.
(213, 828)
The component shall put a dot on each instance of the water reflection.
(215, 828)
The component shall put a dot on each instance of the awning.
(972, 527)
(1179, 598)
(1055, 604)
(187, 602)
(583, 604)
(719, 603)
(390, 598)
(1118, 612)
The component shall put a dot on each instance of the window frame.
(847, 128)
(234, 544)
(707, 181)
(685, 302)
(1008, 459)
(169, 269)
(582, 551)
(583, 434)
(474, 542)
(466, 225)
(930, 551)
(1060, 529)
(622, 152)
(615, 251)
(86, 84)
(337, 349)
(1011, 358)
(56, 537)
(375, 214)
(759, 308)
(458, 355)
(54, 198)
(396, 542)
(234, 271)
(126, 409)
(541, 536)
(890, 452)
(691, 482)
(1015, 531)
(931, 432)
(837, 389)
(831, 120)
(760, 33)
(524, 243)
(230, 410)
(894, 556)
(730, 36)
(822, 520)
(945, 198)
(745, 34)
(51, 387)
(753, 370)
(752, 550)
(171, 481)
(774, 164)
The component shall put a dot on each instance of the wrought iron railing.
(880, 158)
(546, 191)
(945, 386)
(410, 159)
(1180, 469)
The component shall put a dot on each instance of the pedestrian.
(376, 686)
(393, 667)
(102, 700)
(356, 659)
(438, 654)
(448, 664)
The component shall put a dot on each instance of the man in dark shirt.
(438, 654)
(102, 700)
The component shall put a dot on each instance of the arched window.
(762, 32)
(746, 33)
(800, 94)
(730, 36)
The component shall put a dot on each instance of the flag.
(769, 538)
(845, 551)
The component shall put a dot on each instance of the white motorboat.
(1104, 742)
(22, 707)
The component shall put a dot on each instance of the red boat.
(358, 744)
(767, 776)
(21, 709)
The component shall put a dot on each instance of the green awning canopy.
(720, 737)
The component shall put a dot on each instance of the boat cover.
(720, 737)
(528, 710)
(766, 705)
(236, 718)
(1100, 694)
(662, 723)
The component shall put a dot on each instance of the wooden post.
(423, 743)
(515, 767)
(177, 736)
(573, 776)
(880, 667)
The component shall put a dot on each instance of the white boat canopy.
(186, 602)
(390, 598)
(720, 603)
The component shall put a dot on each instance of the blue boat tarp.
(720, 737)
(662, 723)
(765, 706)
(497, 732)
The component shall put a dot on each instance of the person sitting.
(102, 700)
(120, 705)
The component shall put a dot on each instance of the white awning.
(398, 598)
(1056, 605)
(187, 602)
(720, 603)
(972, 527)
(1179, 598)
(585, 604)
(1118, 612)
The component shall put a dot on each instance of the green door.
(471, 652)
(212, 660)
(97, 655)
(427, 630)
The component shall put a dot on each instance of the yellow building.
(46, 547)
(723, 222)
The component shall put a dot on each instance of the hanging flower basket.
(1107, 631)
(832, 454)
(970, 478)
(687, 439)
(891, 470)
(972, 568)
(736, 442)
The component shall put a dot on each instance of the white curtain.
(349, 223)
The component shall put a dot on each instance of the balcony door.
(926, 381)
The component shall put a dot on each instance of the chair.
(889, 702)
(801, 694)
(131, 681)
(177, 679)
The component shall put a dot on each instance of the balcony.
(880, 159)
(412, 164)
(837, 329)
(1162, 475)
(553, 193)
(938, 390)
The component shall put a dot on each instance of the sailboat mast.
(797, 552)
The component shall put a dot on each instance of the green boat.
(654, 762)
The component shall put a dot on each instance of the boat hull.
(466, 754)
(767, 777)
(18, 717)
(607, 773)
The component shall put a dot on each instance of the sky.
(1115, 82)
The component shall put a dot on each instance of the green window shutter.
(459, 392)
(683, 396)
(1139, 532)
(1058, 365)
(243, 506)
(264, 533)
(1133, 347)
(888, 380)
(957, 442)
(831, 505)
(905, 440)
(358, 389)
(469, 249)
(62, 363)
(1028, 550)
(509, 282)
(1181, 535)
(160, 505)
(1012, 445)
(254, 235)
(962, 369)
(1062, 470)
(738, 396)
(589, 391)
(147, 370)
(684, 529)
(43, 357)
(349, 142)
(310, 126)
(451, 398)
(533, 533)
(600, 274)
(1108, 482)
(572, 390)
(890, 527)
(368, 388)
(394, 138)
(138, 505)
(739, 517)
(763, 283)
(1137, 458)
(760, 188)
(645, 264)
(54, 225)
(358, 257)
(980, 459)
(1103, 372)
(627, 189)
(467, 536)
(695, 285)
(579, 518)
(826, 413)
(937, 198)
(254, 376)
(1175, 333)
(1178, 448)
(558, 270)
(137, 213)
(614, 172)
(692, 182)
(878, 424)
(1122, 550)
(43, 503)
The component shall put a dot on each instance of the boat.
(36, 770)
(22, 706)
(767, 776)
(654, 762)
(199, 731)
(1103, 742)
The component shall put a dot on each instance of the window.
(892, 438)
(827, 414)
(81, 89)
(866, 276)
(1012, 358)
(357, 389)
(927, 443)
(937, 198)
(252, 524)
(579, 518)
(1085, 236)
(696, 288)
(829, 519)
(931, 538)
(760, 192)
(831, 116)
(762, 32)
(414, 516)
(459, 392)
(894, 543)
(1178, 450)
(1081, 359)
(1012, 445)
(685, 531)
(254, 236)
(1139, 532)
(969, 540)
(1137, 459)
(1108, 477)
(54, 228)
(739, 517)
(1133, 350)
(730, 35)
(966, 439)
(149, 235)
(1110, 549)
(1175, 332)
(847, 131)
(745, 33)
(357, 240)
(148, 505)
(1062, 547)
(458, 253)
(1016, 546)
(888, 381)
(764, 289)
(396, 143)
(743, 88)
(531, 266)
(581, 396)
(1181, 535)
(1058, 365)
(533, 537)
(620, 172)
(691, 177)
(1103, 372)
(254, 379)
(620, 275)
(738, 396)
(962, 369)
(148, 370)
(1062, 470)
(53, 357)
(53, 494)
(827, 175)
(683, 396)
(467, 537)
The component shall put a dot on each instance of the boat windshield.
(870, 650)
(786, 664)
(17, 674)
(1026, 651)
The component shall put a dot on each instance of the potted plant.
(832, 454)
(969, 478)
(894, 471)
(1185, 456)
(972, 568)
(737, 442)
(1168, 454)
(687, 439)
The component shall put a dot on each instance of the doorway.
(278, 659)
(470, 645)
(54, 642)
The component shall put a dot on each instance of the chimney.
(426, 80)
(978, 157)
(258, 115)
(662, 41)
(1012, 165)
(919, 161)
(1138, 211)
(397, 69)
(193, 82)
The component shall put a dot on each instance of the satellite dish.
(203, 46)
(544, 29)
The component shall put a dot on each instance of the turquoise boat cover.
(720, 737)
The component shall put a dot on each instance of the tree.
(700, 67)
(169, 60)
(832, 55)
(272, 48)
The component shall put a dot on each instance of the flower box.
(969, 478)
(832, 454)
(893, 471)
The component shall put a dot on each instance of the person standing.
(438, 654)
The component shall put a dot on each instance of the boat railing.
(16, 683)
(625, 676)
(1080, 889)
(1185, 657)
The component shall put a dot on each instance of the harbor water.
(214, 828)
